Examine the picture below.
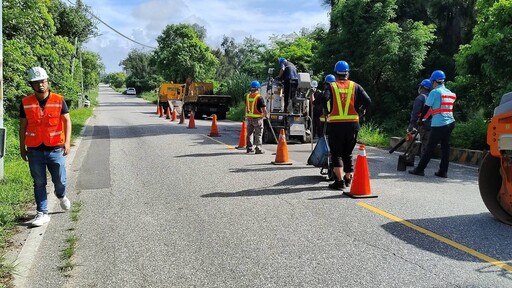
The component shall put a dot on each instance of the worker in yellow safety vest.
(346, 99)
(256, 111)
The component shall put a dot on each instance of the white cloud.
(144, 21)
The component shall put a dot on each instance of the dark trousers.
(438, 135)
(342, 140)
(290, 89)
(318, 126)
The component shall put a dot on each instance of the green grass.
(371, 135)
(75, 210)
(68, 253)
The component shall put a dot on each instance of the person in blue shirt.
(288, 74)
(440, 100)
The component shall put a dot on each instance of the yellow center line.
(438, 237)
(229, 146)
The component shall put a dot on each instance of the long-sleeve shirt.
(417, 107)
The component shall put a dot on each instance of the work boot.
(337, 185)
(417, 172)
(347, 181)
(441, 174)
(259, 151)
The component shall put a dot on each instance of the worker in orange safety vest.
(346, 99)
(45, 138)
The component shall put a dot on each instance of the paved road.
(167, 206)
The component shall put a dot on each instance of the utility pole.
(2, 128)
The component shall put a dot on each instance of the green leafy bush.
(237, 112)
(371, 135)
(471, 134)
(237, 87)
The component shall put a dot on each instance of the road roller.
(495, 174)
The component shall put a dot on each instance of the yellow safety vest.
(343, 109)
(251, 105)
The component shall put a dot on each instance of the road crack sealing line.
(440, 238)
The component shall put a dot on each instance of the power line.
(113, 29)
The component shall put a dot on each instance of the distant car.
(131, 91)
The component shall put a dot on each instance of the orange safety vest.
(251, 108)
(343, 109)
(44, 126)
(446, 106)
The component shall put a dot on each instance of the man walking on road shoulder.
(45, 138)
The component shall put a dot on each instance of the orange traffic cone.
(168, 113)
(214, 131)
(282, 151)
(242, 143)
(157, 108)
(160, 111)
(361, 181)
(191, 121)
(182, 117)
(173, 115)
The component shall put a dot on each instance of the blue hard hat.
(281, 60)
(437, 75)
(329, 78)
(426, 83)
(341, 67)
(255, 84)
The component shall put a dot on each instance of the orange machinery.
(495, 175)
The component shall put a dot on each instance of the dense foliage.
(391, 45)
(47, 34)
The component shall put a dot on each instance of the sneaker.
(65, 204)
(40, 219)
(337, 185)
(250, 150)
(441, 174)
(416, 172)
(259, 151)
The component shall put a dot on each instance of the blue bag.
(320, 154)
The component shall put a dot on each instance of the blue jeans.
(38, 161)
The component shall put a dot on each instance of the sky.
(144, 20)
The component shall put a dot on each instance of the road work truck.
(296, 122)
(197, 97)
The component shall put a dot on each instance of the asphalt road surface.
(167, 206)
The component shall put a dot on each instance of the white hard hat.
(36, 74)
(314, 84)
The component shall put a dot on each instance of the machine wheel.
(489, 183)
(268, 137)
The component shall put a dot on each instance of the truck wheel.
(221, 115)
(267, 136)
